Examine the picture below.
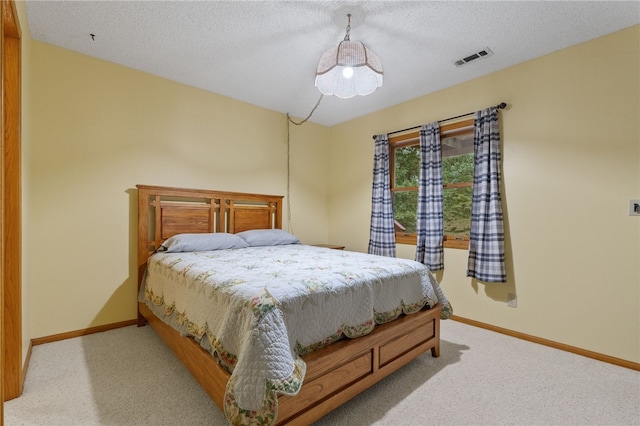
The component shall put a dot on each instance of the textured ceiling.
(266, 52)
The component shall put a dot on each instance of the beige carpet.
(129, 377)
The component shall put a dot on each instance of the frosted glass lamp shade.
(349, 69)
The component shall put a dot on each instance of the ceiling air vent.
(477, 55)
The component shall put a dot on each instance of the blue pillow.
(267, 237)
(202, 242)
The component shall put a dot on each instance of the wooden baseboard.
(84, 332)
(25, 367)
(23, 377)
(573, 349)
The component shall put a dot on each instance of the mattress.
(257, 310)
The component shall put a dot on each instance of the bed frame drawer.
(339, 372)
(402, 344)
(323, 386)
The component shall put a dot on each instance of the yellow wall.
(571, 162)
(96, 130)
(93, 129)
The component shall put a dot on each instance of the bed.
(274, 351)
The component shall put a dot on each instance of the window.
(457, 176)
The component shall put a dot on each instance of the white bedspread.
(258, 309)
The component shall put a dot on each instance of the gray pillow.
(267, 237)
(202, 242)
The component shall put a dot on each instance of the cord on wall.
(297, 123)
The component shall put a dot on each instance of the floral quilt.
(258, 309)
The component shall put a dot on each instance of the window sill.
(457, 244)
(448, 243)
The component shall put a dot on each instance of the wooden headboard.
(166, 211)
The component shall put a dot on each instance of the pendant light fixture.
(349, 69)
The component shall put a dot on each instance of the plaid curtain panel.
(430, 228)
(486, 242)
(382, 240)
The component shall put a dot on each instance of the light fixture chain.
(347, 36)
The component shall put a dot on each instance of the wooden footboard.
(342, 370)
(335, 373)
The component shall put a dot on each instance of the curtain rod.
(501, 105)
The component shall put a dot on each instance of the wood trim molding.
(10, 20)
(556, 345)
(27, 359)
(10, 205)
(83, 332)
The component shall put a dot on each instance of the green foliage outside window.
(407, 166)
(457, 201)
(406, 174)
(457, 169)
(405, 210)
